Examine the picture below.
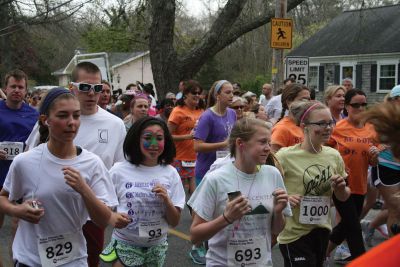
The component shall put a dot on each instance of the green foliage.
(254, 84)
(208, 74)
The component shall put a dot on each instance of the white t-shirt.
(38, 173)
(101, 133)
(134, 186)
(209, 201)
(274, 108)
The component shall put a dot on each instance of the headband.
(50, 97)
(308, 111)
(218, 86)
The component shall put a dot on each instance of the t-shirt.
(286, 133)
(133, 186)
(101, 133)
(212, 128)
(274, 108)
(38, 172)
(209, 201)
(15, 126)
(387, 159)
(184, 119)
(354, 144)
(264, 101)
(307, 174)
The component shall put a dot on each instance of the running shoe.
(368, 233)
(342, 252)
(344, 261)
(198, 255)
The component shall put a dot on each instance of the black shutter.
(374, 73)
(398, 73)
(359, 76)
(321, 76)
(337, 74)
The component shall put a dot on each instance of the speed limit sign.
(297, 69)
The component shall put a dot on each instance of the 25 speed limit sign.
(297, 68)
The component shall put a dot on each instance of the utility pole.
(277, 54)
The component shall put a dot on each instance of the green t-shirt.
(307, 174)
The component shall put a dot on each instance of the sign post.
(297, 69)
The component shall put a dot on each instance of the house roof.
(115, 58)
(355, 32)
(131, 58)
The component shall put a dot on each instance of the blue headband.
(51, 95)
(218, 86)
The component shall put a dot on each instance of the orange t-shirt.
(354, 144)
(286, 133)
(184, 118)
(386, 254)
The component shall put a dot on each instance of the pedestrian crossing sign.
(281, 33)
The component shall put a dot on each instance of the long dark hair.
(289, 93)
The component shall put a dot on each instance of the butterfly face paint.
(152, 143)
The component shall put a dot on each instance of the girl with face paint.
(150, 191)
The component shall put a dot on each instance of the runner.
(239, 229)
(355, 141)
(150, 191)
(286, 133)
(60, 185)
(181, 125)
(313, 173)
(139, 109)
(334, 99)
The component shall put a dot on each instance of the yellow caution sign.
(281, 33)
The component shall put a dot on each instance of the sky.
(198, 7)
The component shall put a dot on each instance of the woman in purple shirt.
(214, 127)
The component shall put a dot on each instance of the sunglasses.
(37, 98)
(238, 107)
(195, 93)
(86, 87)
(358, 105)
(324, 124)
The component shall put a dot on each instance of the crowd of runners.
(254, 171)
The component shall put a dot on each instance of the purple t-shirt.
(212, 129)
(15, 126)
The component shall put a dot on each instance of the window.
(347, 72)
(313, 78)
(387, 76)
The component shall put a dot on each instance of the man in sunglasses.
(16, 121)
(101, 133)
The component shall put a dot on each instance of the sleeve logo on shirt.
(103, 135)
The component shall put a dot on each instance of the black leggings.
(349, 227)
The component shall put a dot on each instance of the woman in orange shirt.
(286, 133)
(355, 141)
(181, 124)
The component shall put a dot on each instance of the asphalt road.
(178, 250)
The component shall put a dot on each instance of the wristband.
(226, 219)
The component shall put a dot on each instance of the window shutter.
(374, 68)
(337, 74)
(359, 76)
(321, 75)
(398, 73)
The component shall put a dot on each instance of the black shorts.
(385, 176)
(308, 251)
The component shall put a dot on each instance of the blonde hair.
(301, 110)
(244, 129)
(331, 90)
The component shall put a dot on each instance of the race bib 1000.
(314, 210)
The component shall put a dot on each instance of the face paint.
(153, 140)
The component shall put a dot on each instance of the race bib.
(153, 231)
(188, 164)
(314, 210)
(247, 252)
(12, 149)
(222, 153)
(60, 249)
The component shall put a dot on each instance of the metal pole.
(277, 54)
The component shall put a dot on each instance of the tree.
(168, 67)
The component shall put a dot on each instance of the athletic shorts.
(382, 175)
(132, 256)
(309, 250)
(184, 172)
